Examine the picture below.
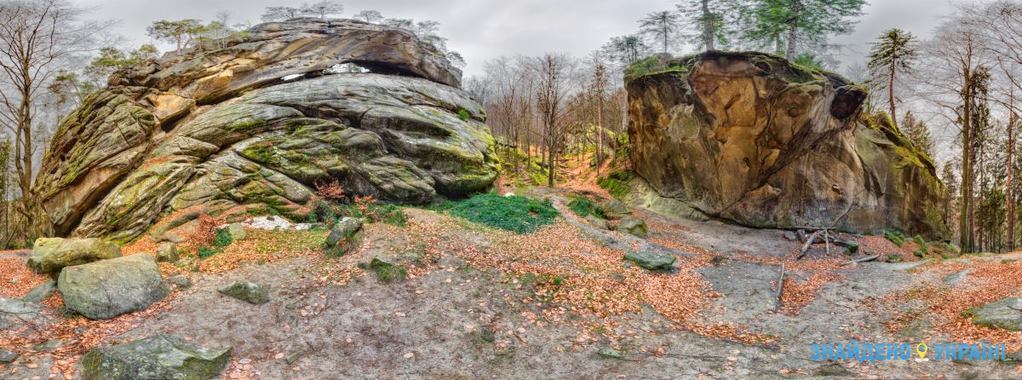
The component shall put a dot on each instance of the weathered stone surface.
(7, 356)
(180, 281)
(50, 255)
(1005, 314)
(108, 288)
(634, 226)
(166, 252)
(157, 357)
(218, 127)
(236, 230)
(756, 140)
(344, 229)
(651, 260)
(41, 292)
(247, 291)
(15, 313)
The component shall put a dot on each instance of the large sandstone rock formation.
(756, 140)
(260, 119)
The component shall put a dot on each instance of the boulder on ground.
(1005, 314)
(166, 252)
(651, 260)
(634, 226)
(156, 357)
(50, 255)
(236, 230)
(247, 291)
(108, 288)
(343, 236)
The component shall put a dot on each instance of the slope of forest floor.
(555, 303)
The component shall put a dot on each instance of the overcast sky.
(486, 29)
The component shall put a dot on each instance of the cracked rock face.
(218, 128)
(753, 139)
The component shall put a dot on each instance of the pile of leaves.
(949, 305)
(260, 246)
(569, 272)
(18, 279)
(512, 213)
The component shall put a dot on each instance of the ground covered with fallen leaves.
(555, 302)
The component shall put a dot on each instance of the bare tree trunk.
(1010, 181)
(708, 33)
(965, 217)
(796, 10)
(890, 95)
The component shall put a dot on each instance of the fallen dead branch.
(780, 289)
(808, 244)
(862, 260)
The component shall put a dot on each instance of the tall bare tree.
(37, 39)
(554, 73)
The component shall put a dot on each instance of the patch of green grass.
(584, 207)
(222, 238)
(386, 272)
(616, 183)
(206, 252)
(923, 248)
(513, 213)
(463, 114)
(895, 237)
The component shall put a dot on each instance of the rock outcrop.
(261, 118)
(759, 141)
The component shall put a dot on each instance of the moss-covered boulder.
(155, 358)
(261, 122)
(50, 255)
(344, 236)
(651, 260)
(250, 292)
(760, 141)
(1005, 314)
(108, 288)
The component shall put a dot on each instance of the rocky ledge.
(754, 139)
(259, 121)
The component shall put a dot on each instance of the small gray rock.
(651, 260)
(237, 231)
(156, 357)
(609, 353)
(1005, 314)
(181, 281)
(957, 277)
(167, 252)
(630, 225)
(344, 229)
(7, 356)
(247, 291)
(41, 291)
